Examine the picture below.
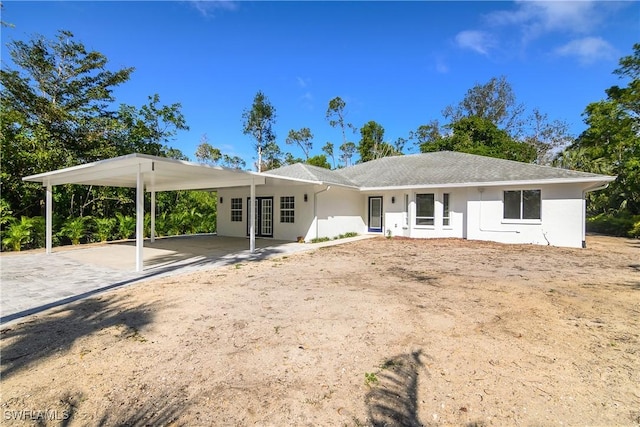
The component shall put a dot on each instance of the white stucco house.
(440, 194)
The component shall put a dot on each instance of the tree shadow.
(393, 399)
(170, 267)
(159, 411)
(29, 342)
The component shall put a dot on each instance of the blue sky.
(398, 63)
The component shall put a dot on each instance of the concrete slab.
(34, 282)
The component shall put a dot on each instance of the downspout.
(584, 210)
(315, 207)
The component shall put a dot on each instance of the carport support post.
(153, 216)
(252, 216)
(139, 220)
(48, 217)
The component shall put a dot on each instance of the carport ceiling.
(159, 174)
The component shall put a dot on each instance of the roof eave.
(596, 179)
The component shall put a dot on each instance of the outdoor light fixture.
(305, 197)
(393, 199)
(221, 199)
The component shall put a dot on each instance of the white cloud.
(537, 18)
(588, 50)
(441, 66)
(209, 7)
(302, 82)
(478, 41)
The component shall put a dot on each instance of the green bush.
(18, 234)
(104, 228)
(619, 224)
(75, 229)
(126, 226)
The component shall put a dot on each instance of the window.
(522, 204)
(424, 209)
(446, 218)
(406, 210)
(236, 210)
(287, 209)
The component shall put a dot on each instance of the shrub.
(619, 224)
(126, 226)
(104, 228)
(74, 229)
(18, 234)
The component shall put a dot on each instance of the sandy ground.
(374, 332)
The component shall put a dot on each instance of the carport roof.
(160, 174)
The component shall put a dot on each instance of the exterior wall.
(561, 223)
(474, 214)
(338, 209)
(399, 209)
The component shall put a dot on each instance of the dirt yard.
(375, 332)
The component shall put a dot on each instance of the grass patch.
(339, 236)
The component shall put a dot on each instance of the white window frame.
(446, 209)
(431, 219)
(521, 207)
(236, 208)
(287, 209)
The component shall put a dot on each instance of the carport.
(147, 173)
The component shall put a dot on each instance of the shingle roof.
(312, 173)
(438, 168)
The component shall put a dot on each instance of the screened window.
(446, 217)
(236, 209)
(287, 209)
(522, 204)
(425, 209)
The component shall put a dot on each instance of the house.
(440, 194)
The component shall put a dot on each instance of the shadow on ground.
(33, 341)
(393, 399)
(169, 265)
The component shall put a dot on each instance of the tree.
(56, 110)
(303, 138)
(320, 160)
(336, 116)
(234, 162)
(547, 137)
(494, 101)
(347, 150)
(475, 135)
(53, 111)
(328, 150)
(372, 145)
(271, 158)
(206, 153)
(426, 134)
(258, 122)
(611, 143)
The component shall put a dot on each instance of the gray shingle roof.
(312, 173)
(438, 168)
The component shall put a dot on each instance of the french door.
(264, 216)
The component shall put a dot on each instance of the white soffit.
(159, 174)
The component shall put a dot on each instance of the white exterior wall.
(561, 223)
(474, 215)
(339, 211)
(399, 216)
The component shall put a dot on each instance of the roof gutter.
(598, 179)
